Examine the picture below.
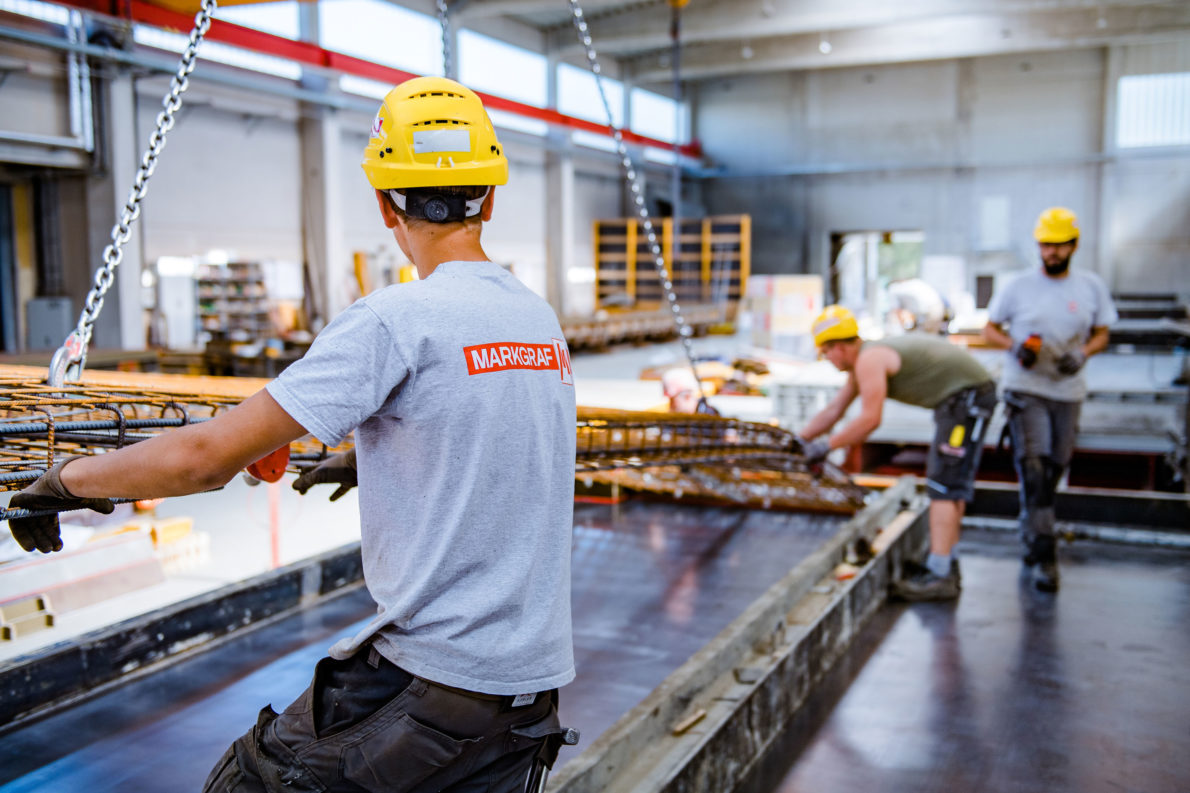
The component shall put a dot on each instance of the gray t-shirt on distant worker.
(461, 396)
(1060, 310)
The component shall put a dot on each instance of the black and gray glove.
(1026, 353)
(337, 470)
(48, 493)
(1071, 361)
(815, 451)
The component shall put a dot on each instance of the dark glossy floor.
(1010, 691)
(652, 584)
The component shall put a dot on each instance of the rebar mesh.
(41, 424)
(708, 458)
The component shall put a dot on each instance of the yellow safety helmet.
(1056, 225)
(433, 132)
(835, 322)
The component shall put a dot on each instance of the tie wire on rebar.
(41, 424)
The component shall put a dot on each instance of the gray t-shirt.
(1062, 311)
(461, 396)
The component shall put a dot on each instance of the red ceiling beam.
(313, 55)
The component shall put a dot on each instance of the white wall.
(228, 177)
(951, 148)
(598, 195)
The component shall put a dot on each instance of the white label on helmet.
(377, 126)
(426, 141)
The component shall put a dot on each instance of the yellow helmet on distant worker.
(433, 132)
(1056, 225)
(835, 322)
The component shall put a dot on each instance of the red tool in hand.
(271, 467)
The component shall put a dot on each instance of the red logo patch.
(503, 356)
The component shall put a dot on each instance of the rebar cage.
(710, 458)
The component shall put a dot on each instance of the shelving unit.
(232, 301)
(713, 262)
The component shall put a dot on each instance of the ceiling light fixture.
(824, 46)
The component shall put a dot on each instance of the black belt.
(505, 700)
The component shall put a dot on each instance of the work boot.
(918, 583)
(1045, 553)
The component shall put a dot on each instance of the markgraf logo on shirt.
(502, 356)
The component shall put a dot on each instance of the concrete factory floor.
(1010, 689)
(652, 584)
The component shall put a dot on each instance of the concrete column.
(323, 246)
(121, 323)
(325, 256)
(560, 220)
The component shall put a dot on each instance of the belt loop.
(373, 657)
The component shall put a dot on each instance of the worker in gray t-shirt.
(459, 391)
(1051, 320)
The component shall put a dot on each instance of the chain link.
(113, 254)
(444, 20)
(630, 171)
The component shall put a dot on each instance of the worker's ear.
(485, 211)
(386, 209)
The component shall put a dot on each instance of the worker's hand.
(1071, 361)
(815, 452)
(337, 470)
(1026, 353)
(48, 493)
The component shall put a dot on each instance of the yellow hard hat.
(835, 322)
(433, 132)
(1056, 224)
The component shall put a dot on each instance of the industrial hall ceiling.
(734, 37)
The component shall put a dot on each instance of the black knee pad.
(1035, 480)
(1053, 474)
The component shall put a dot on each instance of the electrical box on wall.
(48, 320)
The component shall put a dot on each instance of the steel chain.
(73, 353)
(444, 20)
(684, 330)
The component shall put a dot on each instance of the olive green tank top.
(931, 369)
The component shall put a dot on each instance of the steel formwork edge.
(35, 685)
(743, 687)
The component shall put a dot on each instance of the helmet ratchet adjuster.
(436, 207)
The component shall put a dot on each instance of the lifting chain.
(684, 330)
(447, 52)
(71, 357)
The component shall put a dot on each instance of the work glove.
(48, 493)
(815, 452)
(1071, 361)
(337, 470)
(1026, 351)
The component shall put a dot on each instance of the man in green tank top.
(923, 370)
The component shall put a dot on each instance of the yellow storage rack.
(714, 258)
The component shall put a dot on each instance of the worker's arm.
(995, 335)
(1071, 361)
(834, 410)
(1098, 341)
(189, 459)
(872, 369)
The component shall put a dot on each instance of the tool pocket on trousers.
(546, 733)
(398, 757)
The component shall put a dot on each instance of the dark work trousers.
(960, 422)
(364, 724)
(1043, 433)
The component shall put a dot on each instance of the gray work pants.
(365, 725)
(1043, 433)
